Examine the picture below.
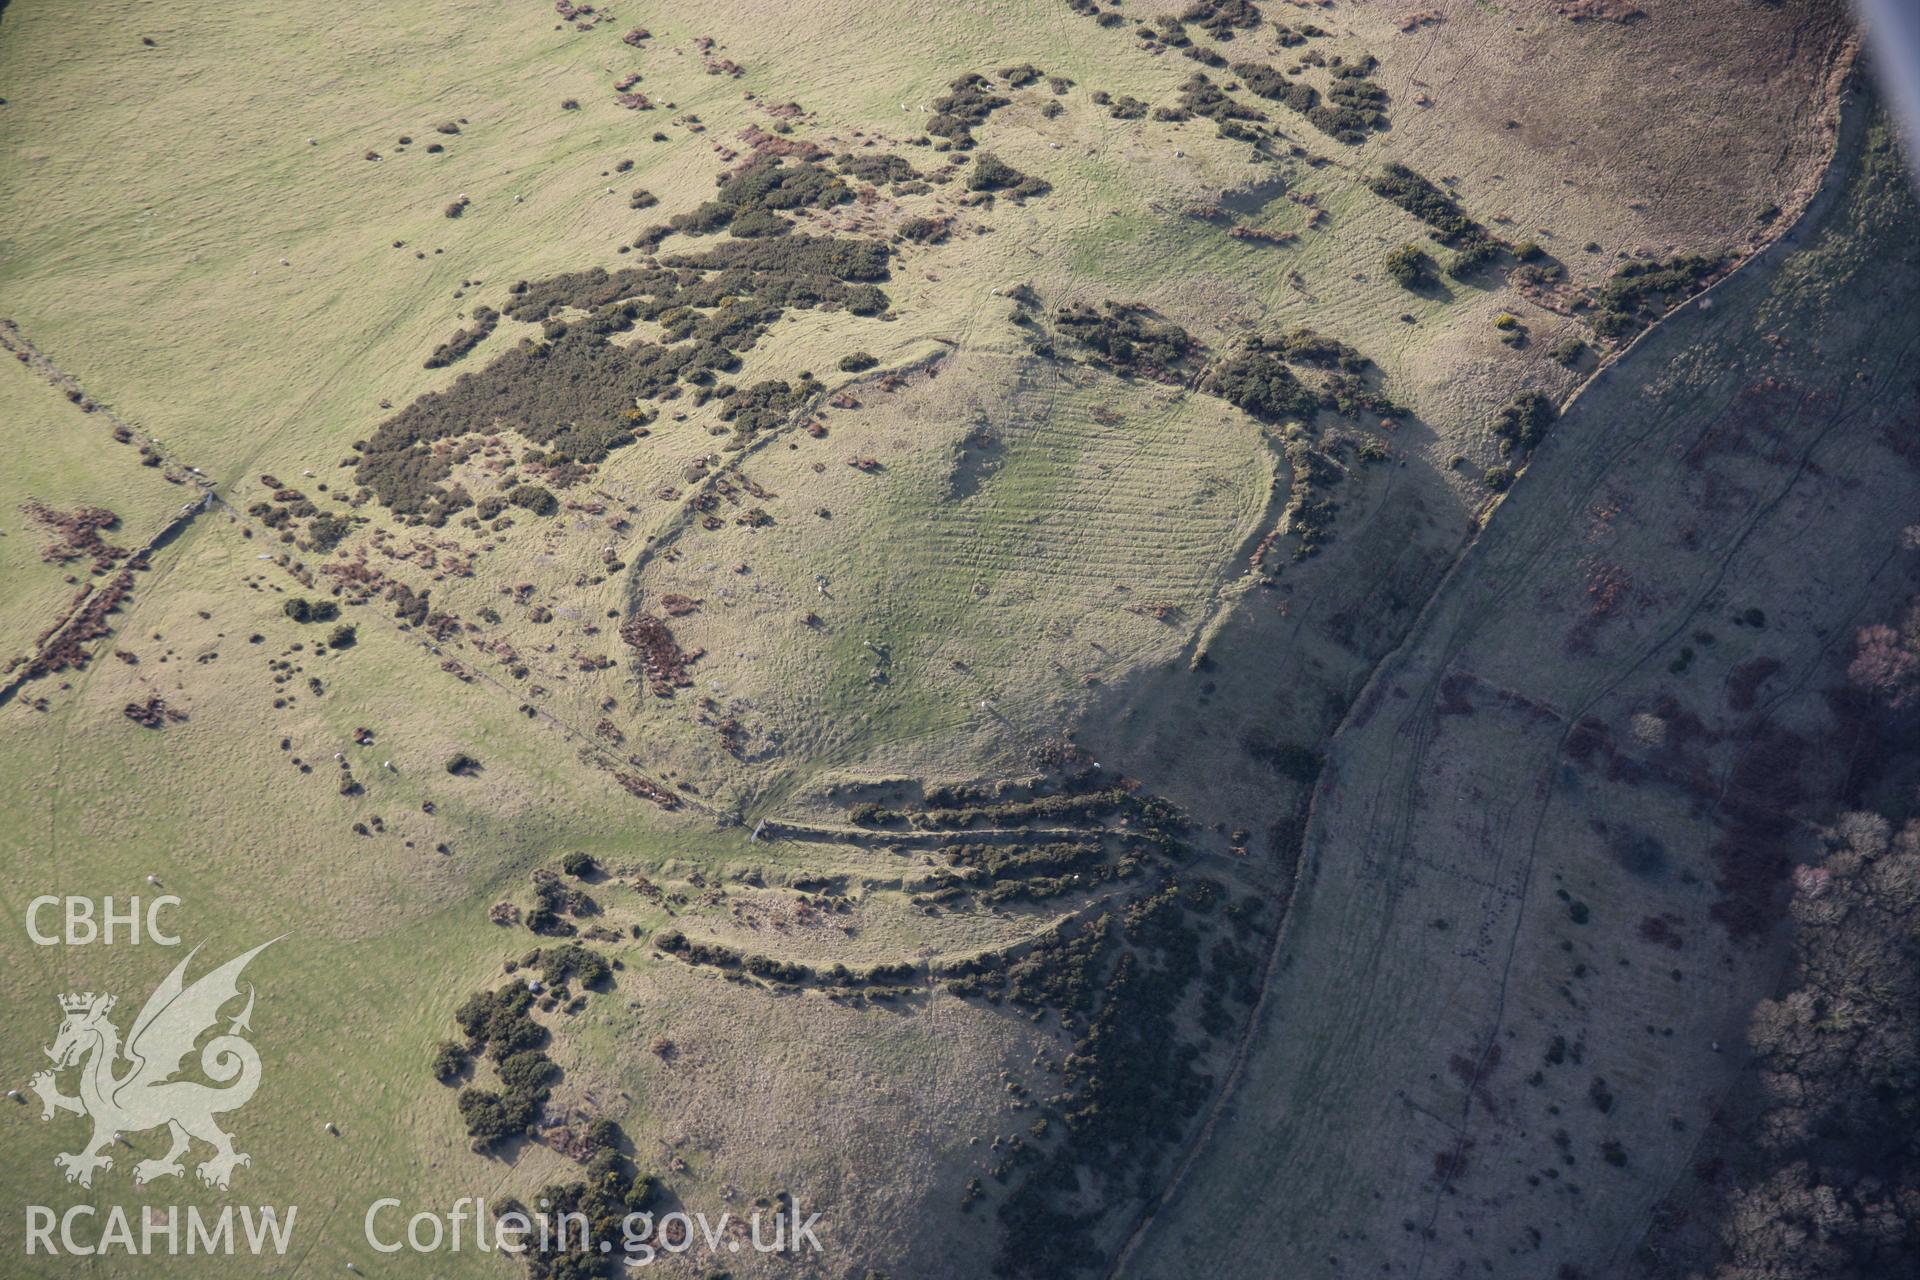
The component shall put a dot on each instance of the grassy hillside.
(1012, 559)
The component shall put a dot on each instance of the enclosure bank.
(85, 1230)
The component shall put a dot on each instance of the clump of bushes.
(1201, 97)
(1523, 421)
(450, 1061)
(758, 222)
(498, 1026)
(879, 169)
(1259, 382)
(1450, 223)
(755, 193)
(1262, 79)
(967, 103)
(990, 173)
(571, 960)
(576, 392)
(1470, 257)
(1135, 1078)
(1129, 338)
(797, 255)
(1355, 105)
(465, 339)
(771, 184)
(301, 609)
(858, 362)
(1410, 266)
(1304, 346)
(1221, 18)
(535, 498)
(553, 899)
(925, 230)
(766, 405)
(1289, 759)
(326, 531)
(606, 1199)
(1641, 291)
(1257, 379)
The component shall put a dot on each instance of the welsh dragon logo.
(145, 1095)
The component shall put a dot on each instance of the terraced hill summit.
(1082, 638)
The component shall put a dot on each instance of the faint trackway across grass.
(21, 346)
